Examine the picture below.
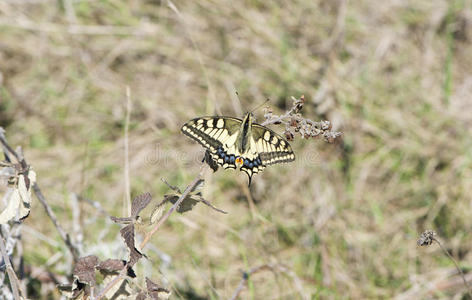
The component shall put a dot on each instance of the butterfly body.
(239, 144)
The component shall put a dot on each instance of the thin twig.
(126, 175)
(6, 145)
(242, 284)
(77, 227)
(456, 264)
(65, 236)
(14, 282)
(95, 205)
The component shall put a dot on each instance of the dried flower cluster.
(296, 123)
(426, 238)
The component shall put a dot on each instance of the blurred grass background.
(393, 76)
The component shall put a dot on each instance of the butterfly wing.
(271, 146)
(218, 135)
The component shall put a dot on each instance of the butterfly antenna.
(260, 105)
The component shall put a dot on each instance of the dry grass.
(344, 218)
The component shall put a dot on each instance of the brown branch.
(64, 235)
(456, 264)
(14, 282)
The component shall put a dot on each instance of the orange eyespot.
(239, 161)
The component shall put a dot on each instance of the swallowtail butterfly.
(235, 143)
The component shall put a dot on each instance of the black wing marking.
(271, 146)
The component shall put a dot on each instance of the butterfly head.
(249, 117)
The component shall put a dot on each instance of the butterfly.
(239, 144)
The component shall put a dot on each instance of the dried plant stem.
(456, 264)
(148, 236)
(14, 282)
(279, 119)
(126, 175)
(64, 235)
(7, 147)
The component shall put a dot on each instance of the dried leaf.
(84, 269)
(19, 202)
(113, 267)
(13, 199)
(24, 187)
(127, 233)
(5, 174)
(139, 203)
(110, 265)
(187, 204)
(156, 212)
(76, 290)
(154, 289)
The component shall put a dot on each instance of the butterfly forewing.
(211, 132)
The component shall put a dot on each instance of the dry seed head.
(426, 238)
(288, 135)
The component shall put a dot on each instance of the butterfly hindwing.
(272, 147)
